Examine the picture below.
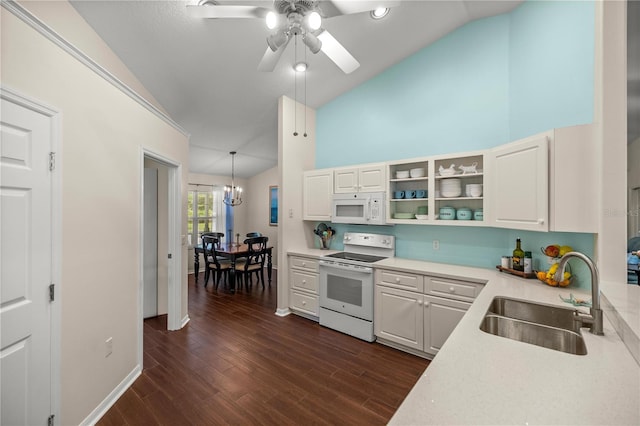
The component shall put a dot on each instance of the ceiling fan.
(292, 18)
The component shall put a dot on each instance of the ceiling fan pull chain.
(305, 94)
(295, 88)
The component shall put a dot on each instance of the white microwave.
(362, 208)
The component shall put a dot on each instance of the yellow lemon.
(565, 249)
(567, 275)
(553, 269)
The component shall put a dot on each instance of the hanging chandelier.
(232, 194)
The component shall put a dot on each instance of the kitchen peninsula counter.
(479, 378)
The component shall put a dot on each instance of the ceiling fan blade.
(226, 11)
(271, 58)
(347, 7)
(337, 53)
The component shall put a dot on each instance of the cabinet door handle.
(304, 303)
(304, 281)
(452, 290)
(420, 303)
(426, 304)
(540, 221)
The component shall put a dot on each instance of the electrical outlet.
(108, 347)
(436, 244)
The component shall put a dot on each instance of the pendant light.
(232, 194)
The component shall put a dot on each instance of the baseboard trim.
(111, 399)
(185, 320)
(283, 312)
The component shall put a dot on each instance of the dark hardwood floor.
(236, 362)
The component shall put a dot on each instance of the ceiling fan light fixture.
(277, 40)
(313, 43)
(314, 21)
(271, 19)
(379, 12)
(300, 67)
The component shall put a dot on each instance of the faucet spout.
(595, 321)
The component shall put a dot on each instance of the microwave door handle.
(367, 214)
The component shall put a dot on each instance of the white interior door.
(26, 265)
(150, 291)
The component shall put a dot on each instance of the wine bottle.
(518, 257)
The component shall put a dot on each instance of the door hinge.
(52, 292)
(52, 161)
(50, 420)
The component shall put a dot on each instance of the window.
(204, 212)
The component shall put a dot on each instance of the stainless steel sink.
(548, 326)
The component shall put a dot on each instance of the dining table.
(232, 251)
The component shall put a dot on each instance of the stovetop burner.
(366, 258)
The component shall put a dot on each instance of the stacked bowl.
(450, 187)
(473, 190)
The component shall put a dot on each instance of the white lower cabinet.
(441, 316)
(399, 316)
(420, 320)
(303, 281)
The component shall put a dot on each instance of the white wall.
(257, 213)
(295, 155)
(103, 134)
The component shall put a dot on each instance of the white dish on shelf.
(417, 172)
(422, 216)
(451, 193)
(402, 174)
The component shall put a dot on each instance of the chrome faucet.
(595, 320)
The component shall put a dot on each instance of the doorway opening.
(160, 285)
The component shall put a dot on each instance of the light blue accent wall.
(451, 96)
(551, 57)
(489, 82)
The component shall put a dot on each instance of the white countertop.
(479, 378)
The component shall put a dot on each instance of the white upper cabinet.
(317, 193)
(519, 191)
(573, 180)
(364, 178)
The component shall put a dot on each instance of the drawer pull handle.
(452, 290)
(304, 303)
(304, 281)
(304, 264)
(397, 279)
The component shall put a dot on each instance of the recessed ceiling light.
(380, 12)
(300, 67)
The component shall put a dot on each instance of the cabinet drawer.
(303, 302)
(305, 281)
(304, 263)
(451, 288)
(401, 280)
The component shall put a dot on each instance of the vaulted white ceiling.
(203, 71)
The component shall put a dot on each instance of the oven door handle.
(345, 267)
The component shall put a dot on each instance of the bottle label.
(517, 263)
(527, 265)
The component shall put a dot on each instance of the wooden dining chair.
(213, 261)
(254, 234)
(254, 262)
